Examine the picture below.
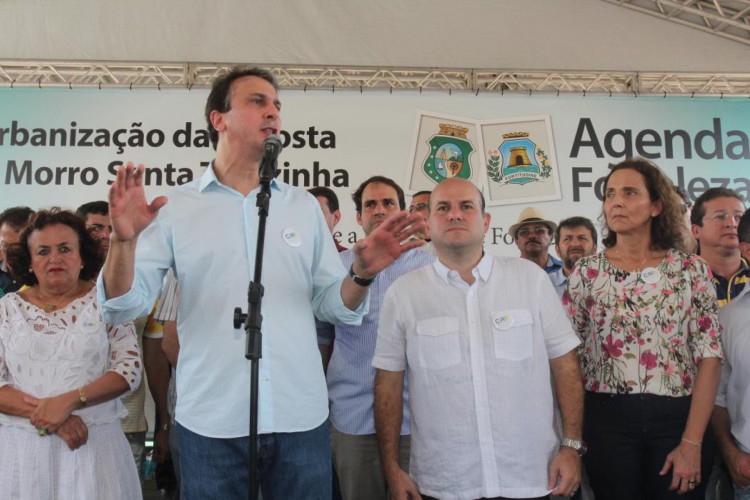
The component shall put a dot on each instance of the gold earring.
(81, 267)
(31, 271)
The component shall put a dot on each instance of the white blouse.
(47, 354)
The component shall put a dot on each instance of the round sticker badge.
(651, 275)
(502, 321)
(291, 237)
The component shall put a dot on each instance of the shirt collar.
(209, 178)
(482, 270)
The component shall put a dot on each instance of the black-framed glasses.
(419, 207)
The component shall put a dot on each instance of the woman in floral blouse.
(651, 351)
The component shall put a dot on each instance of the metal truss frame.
(72, 74)
(725, 18)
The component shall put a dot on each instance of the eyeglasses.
(722, 217)
(419, 207)
(539, 231)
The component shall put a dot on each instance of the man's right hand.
(128, 208)
(739, 468)
(401, 486)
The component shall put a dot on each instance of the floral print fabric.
(639, 336)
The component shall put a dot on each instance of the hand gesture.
(74, 432)
(128, 208)
(387, 242)
(565, 472)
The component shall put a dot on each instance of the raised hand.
(387, 242)
(128, 208)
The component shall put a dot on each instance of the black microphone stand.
(253, 319)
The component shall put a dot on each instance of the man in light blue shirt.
(351, 378)
(207, 232)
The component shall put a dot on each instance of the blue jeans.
(290, 465)
(741, 493)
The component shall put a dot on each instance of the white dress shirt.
(478, 373)
(734, 388)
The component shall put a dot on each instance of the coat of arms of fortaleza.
(449, 154)
(518, 160)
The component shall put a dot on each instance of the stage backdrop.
(61, 147)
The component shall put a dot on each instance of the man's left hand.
(386, 243)
(565, 472)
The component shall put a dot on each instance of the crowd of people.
(413, 365)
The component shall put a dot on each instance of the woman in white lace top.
(62, 370)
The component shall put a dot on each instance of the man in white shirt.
(483, 349)
(731, 416)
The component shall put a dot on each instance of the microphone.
(271, 148)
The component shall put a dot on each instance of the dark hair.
(665, 227)
(357, 196)
(220, 97)
(420, 193)
(328, 194)
(16, 217)
(743, 229)
(19, 255)
(573, 222)
(684, 196)
(92, 207)
(699, 211)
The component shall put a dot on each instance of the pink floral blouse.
(643, 333)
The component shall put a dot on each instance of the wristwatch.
(577, 444)
(359, 279)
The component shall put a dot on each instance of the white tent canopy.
(538, 35)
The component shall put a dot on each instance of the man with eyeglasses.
(714, 220)
(96, 216)
(533, 234)
(12, 222)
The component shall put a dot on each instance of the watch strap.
(359, 279)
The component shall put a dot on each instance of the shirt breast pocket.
(439, 346)
(513, 334)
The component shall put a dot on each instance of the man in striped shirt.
(351, 378)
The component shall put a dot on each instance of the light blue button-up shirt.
(208, 233)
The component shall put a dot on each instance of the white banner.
(61, 147)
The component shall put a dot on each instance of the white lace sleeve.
(124, 354)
